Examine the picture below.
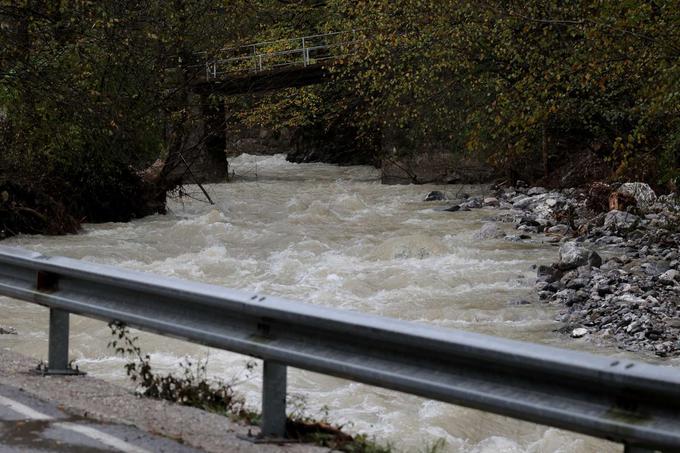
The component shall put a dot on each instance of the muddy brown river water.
(332, 236)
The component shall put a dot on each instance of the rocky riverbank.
(617, 278)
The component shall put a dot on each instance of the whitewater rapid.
(332, 236)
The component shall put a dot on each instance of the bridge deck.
(270, 80)
(273, 65)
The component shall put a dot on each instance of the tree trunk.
(545, 148)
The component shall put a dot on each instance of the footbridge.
(251, 69)
(274, 65)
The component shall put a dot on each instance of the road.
(85, 414)
(29, 424)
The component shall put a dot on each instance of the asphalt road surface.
(28, 424)
(83, 413)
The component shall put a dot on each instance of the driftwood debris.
(155, 173)
(195, 180)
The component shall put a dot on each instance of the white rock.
(543, 211)
(630, 299)
(643, 194)
(524, 203)
(573, 255)
(489, 231)
(620, 220)
(670, 277)
(491, 201)
(536, 191)
(551, 202)
(559, 229)
(579, 332)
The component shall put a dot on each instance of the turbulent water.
(331, 236)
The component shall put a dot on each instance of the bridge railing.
(272, 55)
(621, 400)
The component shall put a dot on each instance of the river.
(332, 236)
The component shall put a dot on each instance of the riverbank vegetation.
(194, 388)
(92, 93)
(525, 86)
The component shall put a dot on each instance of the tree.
(90, 90)
(522, 82)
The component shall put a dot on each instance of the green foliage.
(191, 388)
(91, 91)
(516, 81)
(522, 84)
(320, 114)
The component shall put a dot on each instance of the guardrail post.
(274, 383)
(57, 350)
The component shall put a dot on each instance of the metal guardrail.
(629, 402)
(272, 55)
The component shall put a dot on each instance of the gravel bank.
(617, 278)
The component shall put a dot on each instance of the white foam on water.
(331, 236)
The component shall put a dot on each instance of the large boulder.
(543, 205)
(670, 277)
(643, 194)
(491, 201)
(536, 191)
(522, 202)
(489, 230)
(558, 229)
(472, 203)
(435, 195)
(619, 220)
(549, 274)
(573, 255)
